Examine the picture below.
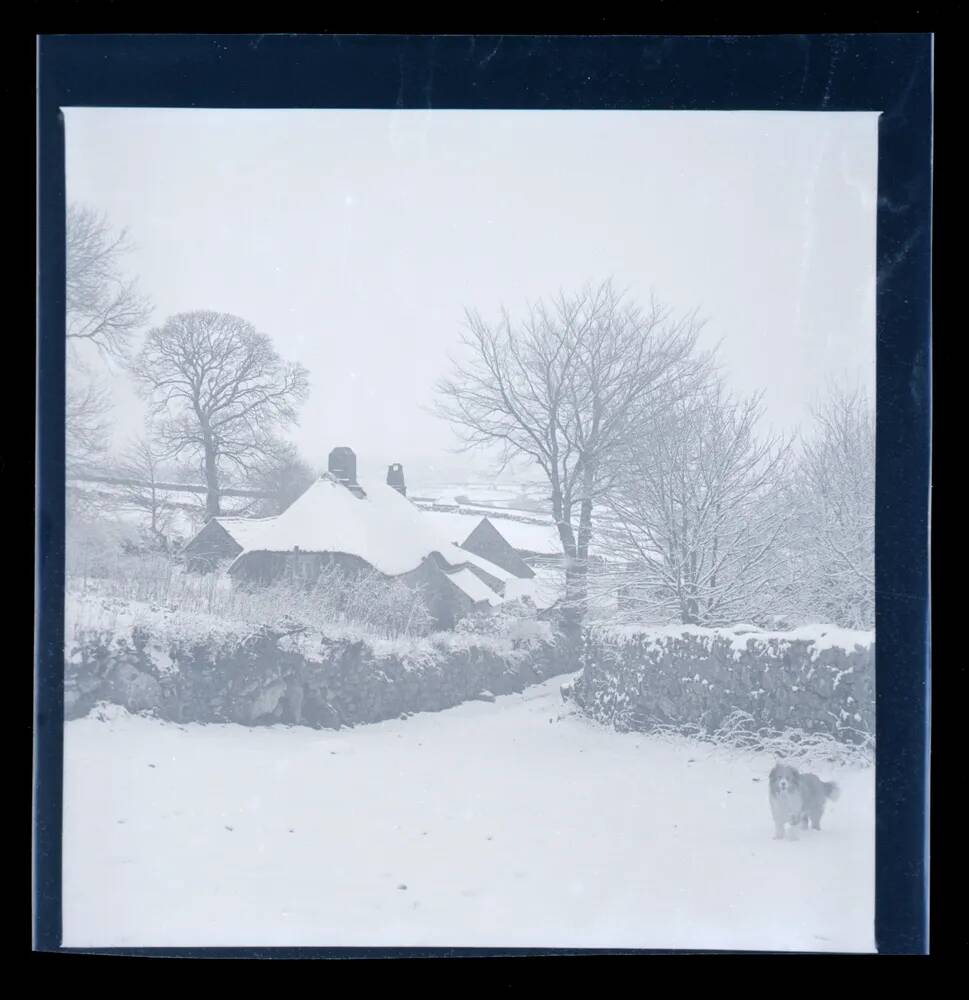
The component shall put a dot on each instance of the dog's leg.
(777, 812)
(815, 819)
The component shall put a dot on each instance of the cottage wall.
(445, 602)
(212, 545)
(265, 568)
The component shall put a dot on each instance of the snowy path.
(486, 825)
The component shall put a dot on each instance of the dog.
(798, 799)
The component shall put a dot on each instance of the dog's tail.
(831, 790)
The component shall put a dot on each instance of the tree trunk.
(574, 570)
(574, 567)
(212, 508)
(580, 582)
(693, 604)
(585, 530)
(563, 524)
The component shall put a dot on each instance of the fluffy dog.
(797, 799)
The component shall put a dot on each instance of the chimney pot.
(395, 478)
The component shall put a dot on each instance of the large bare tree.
(218, 391)
(698, 513)
(567, 387)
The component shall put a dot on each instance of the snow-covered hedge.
(206, 670)
(819, 679)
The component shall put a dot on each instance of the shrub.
(382, 607)
(817, 679)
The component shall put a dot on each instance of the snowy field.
(491, 824)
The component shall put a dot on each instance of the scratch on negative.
(487, 59)
(898, 257)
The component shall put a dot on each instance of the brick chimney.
(342, 465)
(395, 478)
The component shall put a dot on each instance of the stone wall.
(267, 676)
(818, 679)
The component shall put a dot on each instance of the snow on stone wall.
(267, 674)
(818, 679)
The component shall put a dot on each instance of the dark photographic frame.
(888, 73)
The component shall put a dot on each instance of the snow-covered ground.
(491, 824)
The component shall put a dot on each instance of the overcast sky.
(355, 240)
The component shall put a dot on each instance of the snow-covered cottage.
(362, 525)
(221, 540)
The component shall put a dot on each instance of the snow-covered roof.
(537, 536)
(383, 528)
(473, 586)
(544, 589)
(246, 530)
(456, 556)
(525, 532)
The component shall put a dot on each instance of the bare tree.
(218, 390)
(836, 509)
(566, 388)
(283, 475)
(140, 468)
(87, 424)
(104, 308)
(697, 513)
